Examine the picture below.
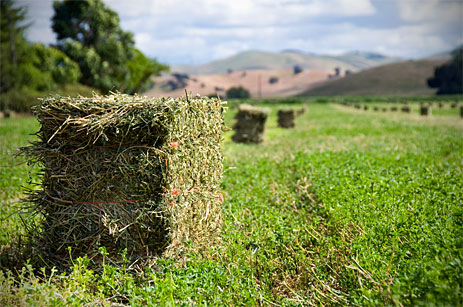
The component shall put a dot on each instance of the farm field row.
(349, 207)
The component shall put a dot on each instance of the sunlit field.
(350, 207)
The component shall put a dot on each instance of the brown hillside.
(288, 83)
(403, 78)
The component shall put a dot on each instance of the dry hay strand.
(286, 118)
(126, 172)
(250, 124)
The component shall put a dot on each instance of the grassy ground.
(350, 207)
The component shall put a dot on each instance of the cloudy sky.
(198, 31)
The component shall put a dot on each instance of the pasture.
(350, 207)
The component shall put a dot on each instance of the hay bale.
(365, 108)
(9, 114)
(454, 105)
(376, 109)
(301, 111)
(425, 110)
(440, 105)
(384, 109)
(461, 111)
(286, 118)
(250, 124)
(405, 109)
(357, 106)
(393, 109)
(126, 172)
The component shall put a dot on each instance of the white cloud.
(178, 31)
(448, 11)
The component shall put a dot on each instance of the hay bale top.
(286, 112)
(99, 119)
(253, 111)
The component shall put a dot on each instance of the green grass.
(348, 208)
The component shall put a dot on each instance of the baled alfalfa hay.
(301, 111)
(286, 118)
(405, 109)
(250, 124)
(425, 110)
(127, 172)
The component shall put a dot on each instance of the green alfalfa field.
(351, 207)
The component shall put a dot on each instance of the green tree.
(89, 33)
(141, 69)
(238, 92)
(448, 78)
(13, 45)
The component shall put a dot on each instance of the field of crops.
(351, 207)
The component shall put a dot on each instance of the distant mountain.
(263, 60)
(404, 78)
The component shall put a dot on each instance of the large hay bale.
(250, 124)
(393, 109)
(127, 172)
(376, 109)
(365, 108)
(286, 118)
(461, 111)
(425, 110)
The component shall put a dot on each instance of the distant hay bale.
(393, 109)
(9, 114)
(375, 108)
(384, 109)
(425, 110)
(126, 172)
(357, 106)
(461, 111)
(301, 111)
(405, 109)
(454, 105)
(286, 118)
(440, 105)
(365, 108)
(250, 124)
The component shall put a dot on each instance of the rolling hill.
(404, 78)
(262, 60)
